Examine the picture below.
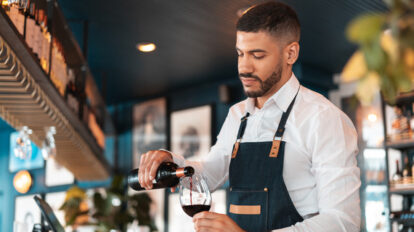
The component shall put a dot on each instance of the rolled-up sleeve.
(332, 143)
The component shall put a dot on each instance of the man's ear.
(291, 52)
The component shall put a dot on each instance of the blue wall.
(7, 191)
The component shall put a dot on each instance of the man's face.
(260, 62)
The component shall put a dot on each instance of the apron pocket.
(248, 208)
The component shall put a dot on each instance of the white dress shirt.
(320, 167)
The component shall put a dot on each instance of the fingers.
(156, 161)
(205, 224)
(141, 170)
(206, 215)
(205, 221)
(148, 167)
(209, 221)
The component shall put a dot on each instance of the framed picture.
(149, 128)
(178, 221)
(57, 175)
(34, 161)
(191, 131)
(26, 213)
(56, 200)
(157, 206)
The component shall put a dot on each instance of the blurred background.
(88, 86)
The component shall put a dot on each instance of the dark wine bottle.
(407, 169)
(398, 174)
(168, 175)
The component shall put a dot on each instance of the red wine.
(191, 210)
(191, 191)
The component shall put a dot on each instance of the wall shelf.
(403, 144)
(402, 191)
(27, 97)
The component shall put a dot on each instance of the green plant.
(385, 58)
(140, 204)
(75, 207)
(112, 208)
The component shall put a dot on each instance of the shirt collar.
(282, 98)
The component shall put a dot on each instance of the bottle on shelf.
(70, 97)
(412, 170)
(407, 169)
(397, 175)
(5, 5)
(16, 15)
(168, 175)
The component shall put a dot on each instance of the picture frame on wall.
(55, 201)
(178, 220)
(149, 128)
(56, 174)
(34, 161)
(191, 131)
(157, 207)
(26, 213)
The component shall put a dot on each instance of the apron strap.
(277, 139)
(274, 151)
(240, 134)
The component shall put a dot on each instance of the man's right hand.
(149, 164)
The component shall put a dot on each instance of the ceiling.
(195, 40)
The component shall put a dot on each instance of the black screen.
(49, 215)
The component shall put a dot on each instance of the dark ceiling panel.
(195, 40)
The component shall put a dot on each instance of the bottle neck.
(180, 172)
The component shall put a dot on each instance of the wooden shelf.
(402, 190)
(405, 98)
(403, 217)
(27, 97)
(403, 144)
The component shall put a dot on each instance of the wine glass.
(23, 148)
(194, 194)
(49, 145)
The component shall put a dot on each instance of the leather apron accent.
(244, 209)
(258, 198)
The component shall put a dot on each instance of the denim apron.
(258, 198)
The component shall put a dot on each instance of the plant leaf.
(366, 28)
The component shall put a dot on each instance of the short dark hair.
(275, 17)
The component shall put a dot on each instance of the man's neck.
(260, 101)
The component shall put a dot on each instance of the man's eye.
(258, 57)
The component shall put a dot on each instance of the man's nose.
(245, 66)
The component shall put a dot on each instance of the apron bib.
(259, 199)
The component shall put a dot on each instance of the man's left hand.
(214, 222)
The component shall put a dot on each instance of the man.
(289, 153)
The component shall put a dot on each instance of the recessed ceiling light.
(146, 47)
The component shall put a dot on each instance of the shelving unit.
(405, 146)
(27, 97)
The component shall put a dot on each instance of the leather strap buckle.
(274, 151)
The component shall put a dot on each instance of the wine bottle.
(412, 170)
(70, 96)
(407, 170)
(397, 175)
(168, 175)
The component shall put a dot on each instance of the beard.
(265, 85)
